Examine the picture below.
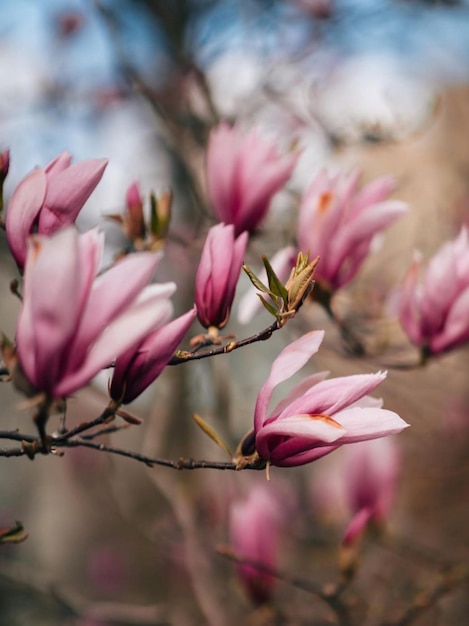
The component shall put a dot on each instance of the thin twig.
(263, 335)
(105, 416)
(34, 446)
(180, 464)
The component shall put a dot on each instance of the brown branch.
(106, 416)
(33, 445)
(179, 464)
(263, 335)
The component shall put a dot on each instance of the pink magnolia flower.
(244, 172)
(48, 199)
(137, 368)
(338, 223)
(73, 324)
(435, 312)
(217, 274)
(370, 476)
(318, 415)
(255, 525)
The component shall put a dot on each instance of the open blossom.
(318, 415)
(218, 274)
(338, 223)
(48, 199)
(244, 172)
(255, 524)
(370, 476)
(72, 323)
(137, 368)
(434, 312)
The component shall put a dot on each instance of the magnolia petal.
(22, 213)
(112, 292)
(50, 306)
(123, 333)
(289, 361)
(366, 423)
(333, 395)
(374, 193)
(456, 328)
(267, 179)
(298, 391)
(301, 432)
(136, 370)
(371, 220)
(222, 158)
(68, 191)
(59, 164)
(307, 456)
(356, 526)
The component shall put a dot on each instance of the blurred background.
(372, 84)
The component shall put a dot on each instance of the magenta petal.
(362, 424)
(123, 333)
(456, 328)
(222, 158)
(137, 369)
(298, 391)
(282, 438)
(218, 274)
(362, 229)
(48, 320)
(112, 292)
(356, 527)
(59, 164)
(23, 210)
(289, 361)
(68, 191)
(374, 193)
(331, 396)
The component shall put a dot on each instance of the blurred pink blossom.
(255, 525)
(106, 570)
(137, 368)
(73, 324)
(435, 311)
(370, 471)
(318, 415)
(218, 274)
(244, 172)
(48, 199)
(4, 164)
(338, 223)
(318, 9)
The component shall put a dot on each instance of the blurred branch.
(329, 593)
(106, 612)
(425, 600)
(170, 114)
